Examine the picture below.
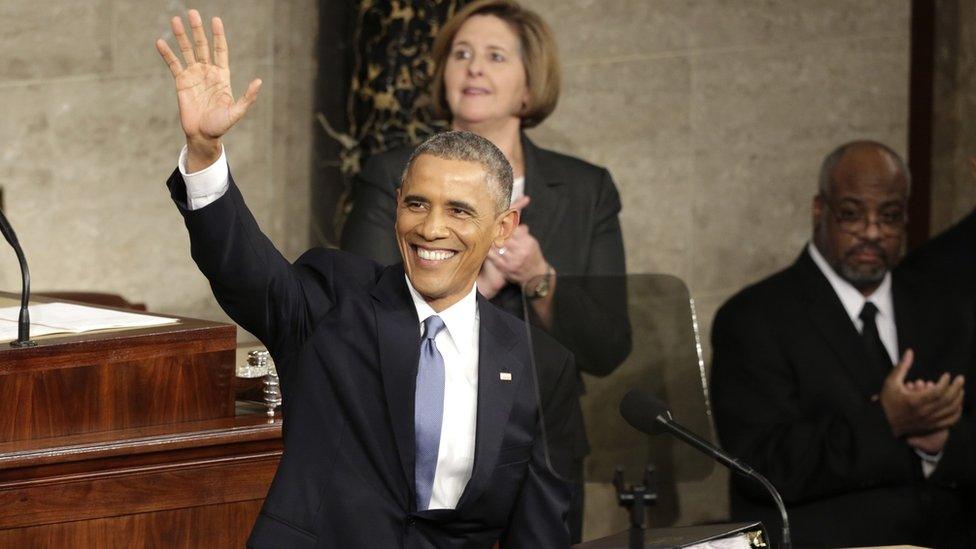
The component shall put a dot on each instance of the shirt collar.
(852, 299)
(460, 319)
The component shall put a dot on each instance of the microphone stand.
(636, 500)
(23, 322)
(733, 464)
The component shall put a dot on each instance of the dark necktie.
(428, 411)
(877, 354)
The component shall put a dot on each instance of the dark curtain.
(374, 75)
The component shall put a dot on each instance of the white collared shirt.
(518, 188)
(853, 301)
(457, 343)
(206, 185)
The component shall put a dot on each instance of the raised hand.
(207, 106)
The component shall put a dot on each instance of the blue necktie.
(428, 411)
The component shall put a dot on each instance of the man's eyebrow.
(460, 204)
(415, 198)
(851, 200)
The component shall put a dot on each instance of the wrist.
(896, 427)
(201, 153)
(541, 286)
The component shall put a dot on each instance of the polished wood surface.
(184, 485)
(118, 379)
(131, 438)
(212, 526)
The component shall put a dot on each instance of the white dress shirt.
(206, 185)
(457, 343)
(518, 188)
(853, 301)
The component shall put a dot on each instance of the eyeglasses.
(853, 219)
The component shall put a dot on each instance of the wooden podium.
(130, 438)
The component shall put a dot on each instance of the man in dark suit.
(411, 415)
(569, 227)
(804, 388)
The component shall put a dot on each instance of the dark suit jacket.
(574, 216)
(947, 263)
(344, 335)
(792, 393)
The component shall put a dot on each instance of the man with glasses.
(841, 383)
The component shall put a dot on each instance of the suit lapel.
(495, 396)
(546, 209)
(398, 334)
(831, 320)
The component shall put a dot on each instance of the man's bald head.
(861, 157)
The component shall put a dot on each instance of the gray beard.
(862, 279)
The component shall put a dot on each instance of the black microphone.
(646, 413)
(23, 323)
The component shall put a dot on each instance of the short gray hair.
(831, 160)
(471, 147)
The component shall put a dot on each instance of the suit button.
(410, 522)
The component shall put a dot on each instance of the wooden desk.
(130, 438)
(187, 485)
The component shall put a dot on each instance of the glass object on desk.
(257, 365)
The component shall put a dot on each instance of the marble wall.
(713, 117)
(90, 133)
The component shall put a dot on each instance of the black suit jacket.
(793, 392)
(947, 263)
(343, 332)
(574, 216)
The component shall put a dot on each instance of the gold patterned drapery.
(388, 102)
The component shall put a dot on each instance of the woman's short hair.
(538, 49)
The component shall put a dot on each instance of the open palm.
(207, 106)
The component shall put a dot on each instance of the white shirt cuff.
(206, 185)
(929, 462)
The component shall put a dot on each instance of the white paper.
(8, 330)
(54, 318)
(737, 542)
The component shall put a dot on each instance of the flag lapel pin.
(505, 376)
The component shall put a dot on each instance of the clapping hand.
(207, 106)
(922, 411)
(521, 259)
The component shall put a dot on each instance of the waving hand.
(207, 106)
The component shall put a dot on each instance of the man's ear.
(817, 209)
(505, 226)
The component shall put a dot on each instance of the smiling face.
(447, 220)
(484, 77)
(859, 224)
